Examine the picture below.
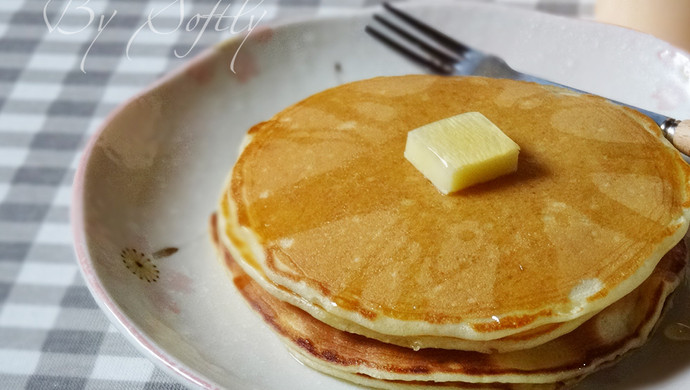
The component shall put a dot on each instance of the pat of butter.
(460, 151)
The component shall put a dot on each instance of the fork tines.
(439, 52)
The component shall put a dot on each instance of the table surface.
(60, 75)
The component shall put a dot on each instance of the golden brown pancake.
(522, 340)
(371, 382)
(324, 205)
(622, 326)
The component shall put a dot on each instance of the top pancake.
(333, 212)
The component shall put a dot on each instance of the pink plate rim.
(104, 299)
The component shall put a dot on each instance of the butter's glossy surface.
(460, 151)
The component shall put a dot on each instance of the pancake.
(619, 328)
(527, 339)
(371, 382)
(323, 205)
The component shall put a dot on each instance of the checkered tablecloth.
(63, 68)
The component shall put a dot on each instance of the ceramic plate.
(150, 178)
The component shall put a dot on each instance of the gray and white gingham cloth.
(63, 68)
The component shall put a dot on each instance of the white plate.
(151, 176)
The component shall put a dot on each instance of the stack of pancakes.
(530, 281)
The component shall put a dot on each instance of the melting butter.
(460, 151)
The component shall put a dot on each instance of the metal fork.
(448, 56)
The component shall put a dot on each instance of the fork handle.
(680, 136)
